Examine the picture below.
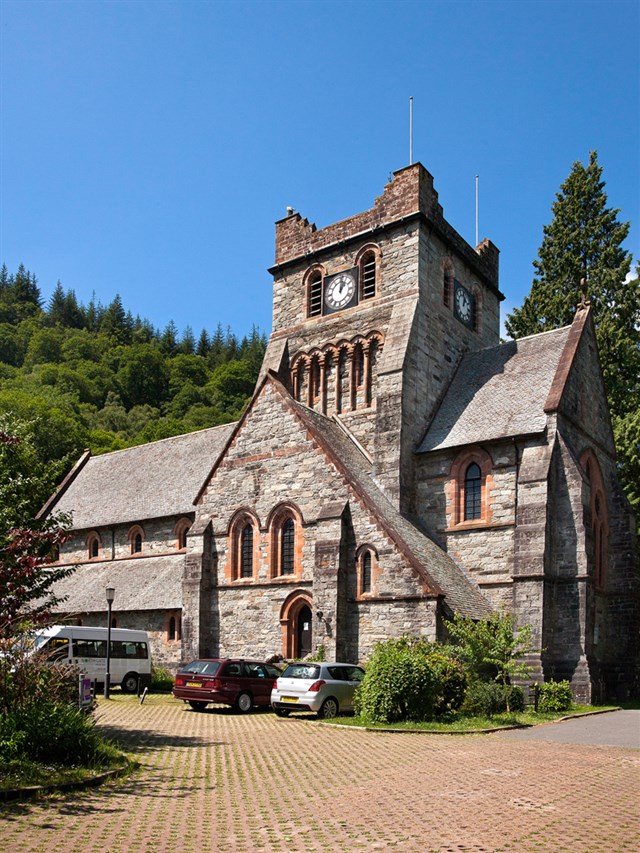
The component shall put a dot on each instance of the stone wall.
(274, 461)
(159, 537)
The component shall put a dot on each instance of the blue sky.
(146, 148)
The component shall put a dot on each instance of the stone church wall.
(272, 460)
(159, 537)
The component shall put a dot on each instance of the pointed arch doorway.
(296, 620)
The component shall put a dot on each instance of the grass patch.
(460, 723)
(23, 773)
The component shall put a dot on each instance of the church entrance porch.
(296, 621)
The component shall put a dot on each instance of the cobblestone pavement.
(218, 781)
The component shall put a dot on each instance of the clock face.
(463, 304)
(340, 290)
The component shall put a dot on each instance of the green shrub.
(409, 679)
(161, 680)
(554, 696)
(487, 698)
(50, 731)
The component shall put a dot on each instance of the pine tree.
(56, 306)
(204, 344)
(584, 240)
(187, 342)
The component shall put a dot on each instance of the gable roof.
(148, 481)
(440, 574)
(499, 392)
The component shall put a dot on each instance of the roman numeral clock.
(463, 304)
(340, 291)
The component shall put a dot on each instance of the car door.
(349, 678)
(258, 682)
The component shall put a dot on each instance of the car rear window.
(202, 667)
(301, 670)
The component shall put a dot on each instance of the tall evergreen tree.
(204, 344)
(56, 306)
(584, 240)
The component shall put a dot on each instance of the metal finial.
(584, 301)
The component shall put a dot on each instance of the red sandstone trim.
(64, 485)
(565, 364)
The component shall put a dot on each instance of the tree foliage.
(96, 376)
(492, 648)
(27, 548)
(584, 240)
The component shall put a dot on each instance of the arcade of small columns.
(338, 378)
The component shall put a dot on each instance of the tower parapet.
(410, 194)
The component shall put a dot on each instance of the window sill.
(476, 524)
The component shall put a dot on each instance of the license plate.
(289, 698)
(193, 684)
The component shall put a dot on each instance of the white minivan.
(86, 648)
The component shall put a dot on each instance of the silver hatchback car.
(326, 688)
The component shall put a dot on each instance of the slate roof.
(498, 392)
(149, 481)
(436, 566)
(141, 583)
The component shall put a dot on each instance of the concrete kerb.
(391, 730)
(34, 791)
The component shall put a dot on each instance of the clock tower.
(371, 315)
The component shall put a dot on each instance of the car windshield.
(203, 667)
(301, 670)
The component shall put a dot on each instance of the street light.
(111, 594)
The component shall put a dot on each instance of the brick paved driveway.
(222, 782)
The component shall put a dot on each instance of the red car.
(240, 683)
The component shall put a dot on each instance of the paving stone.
(219, 781)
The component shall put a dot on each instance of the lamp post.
(111, 594)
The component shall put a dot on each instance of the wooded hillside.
(96, 376)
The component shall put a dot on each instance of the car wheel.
(198, 706)
(281, 712)
(129, 683)
(244, 702)
(329, 709)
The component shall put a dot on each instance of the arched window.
(136, 538)
(366, 572)
(358, 360)
(287, 547)
(93, 546)
(473, 492)
(285, 533)
(469, 488)
(173, 626)
(315, 385)
(368, 276)
(314, 293)
(246, 551)
(243, 546)
(366, 563)
(368, 263)
(181, 529)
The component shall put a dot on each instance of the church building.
(396, 464)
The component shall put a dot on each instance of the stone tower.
(371, 315)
